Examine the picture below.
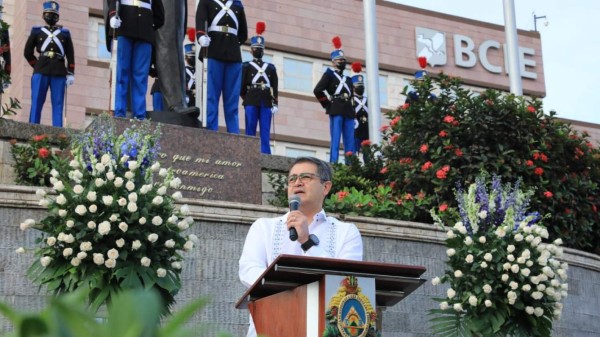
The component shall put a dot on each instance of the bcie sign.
(432, 44)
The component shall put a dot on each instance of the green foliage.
(435, 141)
(133, 313)
(279, 184)
(35, 160)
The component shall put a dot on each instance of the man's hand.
(115, 22)
(204, 41)
(274, 109)
(299, 221)
(70, 80)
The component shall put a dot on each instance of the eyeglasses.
(304, 177)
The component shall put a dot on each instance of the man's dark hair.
(323, 168)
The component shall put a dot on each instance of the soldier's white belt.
(137, 3)
(259, 86)
(223, 29)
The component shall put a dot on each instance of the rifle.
(205, 81)
(113, 65)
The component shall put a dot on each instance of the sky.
(570, 46)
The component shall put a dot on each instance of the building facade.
(298, 41)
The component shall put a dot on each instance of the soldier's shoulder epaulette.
(64, 30)
(36, 29)
(329, 72)
(237, 3)
(271, 66)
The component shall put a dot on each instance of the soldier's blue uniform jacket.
(361, 132)
(259, 84)
(339, 88)
(56, 56)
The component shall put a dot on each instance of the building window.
(383, 90)
(297, 75)
(97, 37)
(295, 153)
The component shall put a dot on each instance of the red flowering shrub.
(35, 160)
(437, 141)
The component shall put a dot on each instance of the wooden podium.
(290, 297)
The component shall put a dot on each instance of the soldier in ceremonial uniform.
(221, 27)
(4, 55)
(361, 109)
(334, 93)
(134, 24)
(190, 74)
(259, 91)
(53, 68)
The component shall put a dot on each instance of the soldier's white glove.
(115, 22)
(274, 109)
(204, 41)
(70, 80)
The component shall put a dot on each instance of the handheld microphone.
(294, 202)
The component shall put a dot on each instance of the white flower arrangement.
(504, 281)
(95, 234)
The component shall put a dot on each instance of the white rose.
(185, 210)
(61, 200)
(504, 277)
(193, 238)
(110, 263)
(484, 265)
(513, 285)
(155, 166)
(189, 220)
(59, 186)
(558, 242)
(85, 246)
(44, 203)
(435, 281)
(98, 259)
(120, 243)
(122, 201)
(133, 197)
(172, 219)
(538, 311)
(510, 248)
(123, 227)
(91, 196)
(130, 186)
(81, 255)
(482, 239)
(458, 307)
(176, 265)
(458, 273)
(145, 261)
(500, 232)
(104, 228)
(91, 225)
(129, 175)
(74, 164)
(529, 310)
(537, 295)
(170, 243)
(99, 182)
(488, 303)
(67, 252)
(27, 224)
(135, 245)
(78, 189)
(61, 236)
(132, 207)
(107, 200)
(132, 164)
(157, 200)
(62, 213)
(469, 258)
(69, 238)
(110, 175)
(487, 288)
(50, 241)
(45, 261)
(145, 189)
(519, 237)
(40, 193)
(113, 217)
(112, 254)
(161, 190)
(70, 223)
(93, 208)
(75, 262)
(506, 266)
(20, 250)
(487, 257)
(99, 167)
(161, 272)
(472, 301)
(451, 293)
(450, 252)
(514, 268)
(541, 287)
(157, 221)
(80, 209)
(444, 305)
(153, 237)
(142, 220)
(183, 225)
(118, 182)
(175, 183)
(189, 245)
(529, 238)
(163, 172)
(177, 195)
(105, 159)
(525, 272)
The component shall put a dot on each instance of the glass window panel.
(295, 153)
(297, 75)
(102, 52)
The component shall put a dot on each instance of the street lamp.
(535, 18)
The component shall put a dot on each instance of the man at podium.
(304, 230)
